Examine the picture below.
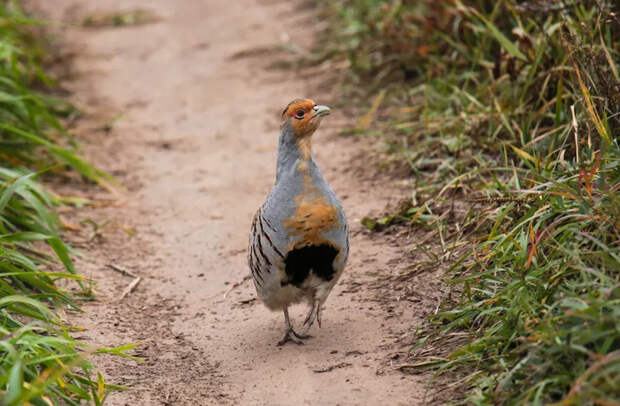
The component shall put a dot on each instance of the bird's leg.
(318, 313)
(305, 334)
(289, 333)
(312, 315)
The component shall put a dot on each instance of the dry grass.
(508, 115)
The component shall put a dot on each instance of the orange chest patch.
(312, 218)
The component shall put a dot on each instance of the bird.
(299, 237)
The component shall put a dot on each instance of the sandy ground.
(184, 112)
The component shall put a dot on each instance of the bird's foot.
(303, 336)
(292, 336)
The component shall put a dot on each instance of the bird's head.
(303, 117)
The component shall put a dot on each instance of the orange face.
(302, 117)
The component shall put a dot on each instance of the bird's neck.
(293, 153)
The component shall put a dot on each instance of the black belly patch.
(316, 258)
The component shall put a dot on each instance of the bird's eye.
(299, 114)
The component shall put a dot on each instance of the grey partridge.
(299, 237)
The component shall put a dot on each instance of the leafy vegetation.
(508, 115)
(40, 364)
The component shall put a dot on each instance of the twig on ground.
(420, 365)
(331, 368)
(236, 284)
(122, 271)
(438, 305)
(130, 287)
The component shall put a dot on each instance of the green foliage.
(513, 106)
(30, 133)
(542, 298)
(40, 364)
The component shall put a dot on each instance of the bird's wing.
(264, 257)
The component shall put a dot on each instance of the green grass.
(32, 134)
(40, 363)
(507, 114)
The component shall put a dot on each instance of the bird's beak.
(320, 111)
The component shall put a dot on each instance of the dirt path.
(184, 111)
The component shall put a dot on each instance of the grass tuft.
(40, 363)
(31, 134)
(508, 115)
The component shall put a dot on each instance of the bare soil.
(183, 109)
